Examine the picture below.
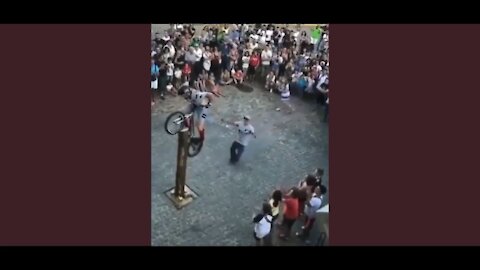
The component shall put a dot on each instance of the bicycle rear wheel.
(194, 149)
(174, 123)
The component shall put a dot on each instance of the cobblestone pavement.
(290, 143)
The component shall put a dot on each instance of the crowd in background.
(284, 60)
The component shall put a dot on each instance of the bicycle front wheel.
(174, 123)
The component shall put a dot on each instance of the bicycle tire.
(196, 151)
(171, 118)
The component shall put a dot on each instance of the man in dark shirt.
(162, 80)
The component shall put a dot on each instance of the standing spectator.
(170, 68)
(235, 35)
(318, 173)
(190, 57)
(245, 62)
(290, 212)
(266, 59)
(325, 114)
(186, 71)
(313, 206)
(245, 133)
(276, 64)
(178, 77)
(154, 70)
(253, 64)
(270, 81)
(289, 68)
(207, 58)
(162, 80)
(171, 49)
(165, 54)
(304, 42)
(269, 34)
(197, 66)
(263, 224)
(216, 64)
(275, 204)
(179, 59)
(157, 39)
(316, 33)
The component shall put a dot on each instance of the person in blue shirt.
(234, 35)
(154, 72)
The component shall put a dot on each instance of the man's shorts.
(200, 113)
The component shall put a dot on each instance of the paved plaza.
(290, 142)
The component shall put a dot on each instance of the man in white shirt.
(266, 56)
(245, 134)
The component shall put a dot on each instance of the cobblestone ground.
(290, 143)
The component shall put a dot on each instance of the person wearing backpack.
(263, 224)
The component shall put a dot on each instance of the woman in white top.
(178, 77)
(245, 60)
(263, 224)
(268, 35)
(207, 58)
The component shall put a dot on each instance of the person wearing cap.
(245, 133)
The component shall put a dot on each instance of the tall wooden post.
(180, 179)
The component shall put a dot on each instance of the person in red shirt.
(186, 71)
(253, 65)
(290, 212)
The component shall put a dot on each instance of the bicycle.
(176, 122)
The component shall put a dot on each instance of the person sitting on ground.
(237, 76)
(284, 89)
(270, 81)
(263, 224)
(171, 89)
(226, 78)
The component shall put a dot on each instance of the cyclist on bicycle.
(198, 105)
